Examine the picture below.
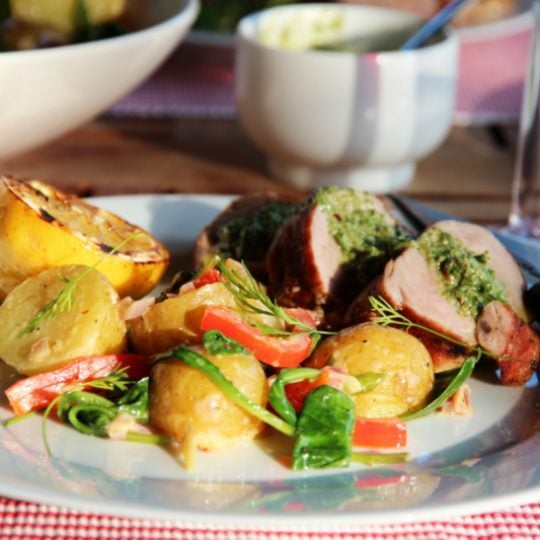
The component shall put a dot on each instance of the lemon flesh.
(41, 227)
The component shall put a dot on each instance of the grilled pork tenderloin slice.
(411, 286)
(326, 253)
(245, 229)
(444, 281)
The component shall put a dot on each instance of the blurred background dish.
(339, 116)
(48, 91)
(221, 17)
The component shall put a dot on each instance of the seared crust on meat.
(304, 261)
(514, 344)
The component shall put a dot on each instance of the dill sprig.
(64, 300)
(389, 316)
(251, 297)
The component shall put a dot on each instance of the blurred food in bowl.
(223, 15)
(34, 24)
(48, 91)
(30, 24)
(474, 13)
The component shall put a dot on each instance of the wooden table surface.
(469, 175)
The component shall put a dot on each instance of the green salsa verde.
(248, 237)
(366, 237)
(466, 278)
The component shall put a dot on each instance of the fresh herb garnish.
(389, 316)
(252, 298)
(89, 412)
(64, 300)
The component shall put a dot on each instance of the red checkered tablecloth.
(29, 521)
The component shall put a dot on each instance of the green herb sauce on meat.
(365, 235)
(248, 237)
(466, 277)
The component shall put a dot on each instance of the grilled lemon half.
(41, 227)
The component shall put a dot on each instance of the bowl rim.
(185, 16)
(450, 34)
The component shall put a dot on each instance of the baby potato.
(188, 406)
(401, 359)
(92, 325)
(176, 320)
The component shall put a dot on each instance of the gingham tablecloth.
(198, 80)
(29, 521)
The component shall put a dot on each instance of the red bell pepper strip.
(380, 432)
(296, 392)
(212, 275)
(37, 391)
(275, 351)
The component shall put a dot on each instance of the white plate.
(459, 465)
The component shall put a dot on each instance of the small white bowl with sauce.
(320, 95)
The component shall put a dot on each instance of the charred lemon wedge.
(41, 227)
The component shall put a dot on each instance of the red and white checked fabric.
(198, 81)
(29, 521)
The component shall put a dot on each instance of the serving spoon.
(433, 25)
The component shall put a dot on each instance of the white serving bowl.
(47, 92)
(346, 118)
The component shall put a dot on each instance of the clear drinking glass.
(524, 218)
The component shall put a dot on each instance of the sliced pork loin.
(245, 229)
(512, 342)
(312, 266)
(413, 287)
(305, 262)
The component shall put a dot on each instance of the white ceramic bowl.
(46, 92)
(346, 118)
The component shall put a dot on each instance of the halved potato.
(401, 360)
(92, 325)
(188, 406)
(176, 320)
(41, 227)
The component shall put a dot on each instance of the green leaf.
(324, 430)
(216, 343)
(278, 398)
(135, 401)
(369, 381)
(461, 376)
